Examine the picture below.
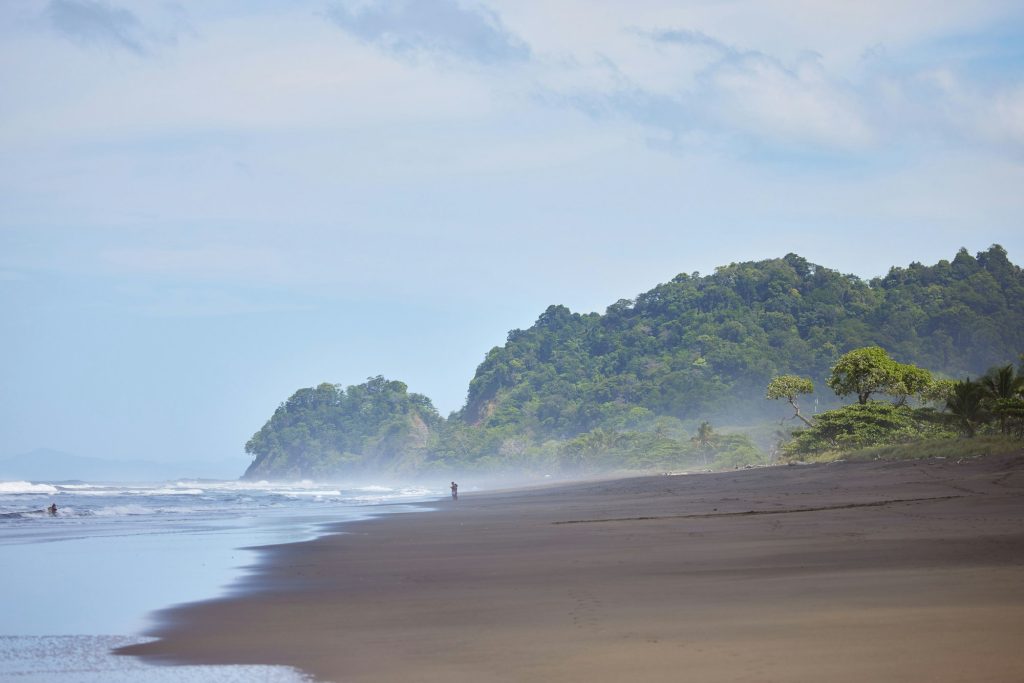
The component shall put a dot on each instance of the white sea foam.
(143, 507)
(88, 659)
(301, 492)
(9, 487)
(417, 491)
(123, 510)
(131, 491)
(171, 492)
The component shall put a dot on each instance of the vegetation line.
(747, 513)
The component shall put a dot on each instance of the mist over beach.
(481, 340)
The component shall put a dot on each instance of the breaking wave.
(15, 487)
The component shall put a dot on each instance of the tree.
(704, 439)
(870, 370)
(1002, 387)
(1010, 413)
(856, 426)
(966, 405)
(938, 392)
(596, 449)
(863, 372)
(1002, 382)
(909, 380)
(789, 387)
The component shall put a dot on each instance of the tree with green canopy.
(862, 425)
(704, 439)
(1003, 388)
(909, 380)
(938, 392)
(966, 405)
(789, 387)
(863, 372)
(871, 370)
(1002, 382)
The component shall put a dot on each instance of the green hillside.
(324, 431)
(704, 346)
(628, 387)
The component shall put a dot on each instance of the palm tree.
(1002, 384)
(967, 405)
(704, 439)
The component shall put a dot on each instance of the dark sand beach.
(910, 571)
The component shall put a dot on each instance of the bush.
(860, 426)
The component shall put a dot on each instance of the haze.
(207, 205)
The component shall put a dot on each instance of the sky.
(207, 205)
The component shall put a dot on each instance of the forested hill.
(700, 346)
(628, 388)
(323, 431)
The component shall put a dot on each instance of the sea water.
(84, 581)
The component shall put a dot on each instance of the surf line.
(748, 513)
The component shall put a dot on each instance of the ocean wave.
(171, 492)
(29, 514)
(132, 509)
(417, 492)
(302, 492)
(9, 487)
(126, 510)
(230, 486)
(115, 491)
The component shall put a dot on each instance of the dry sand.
(909, 571)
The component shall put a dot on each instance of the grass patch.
(925, 448)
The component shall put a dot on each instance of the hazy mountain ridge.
(323, 431)
(700, 346)
(696, 347)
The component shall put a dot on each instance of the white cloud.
(802, 105)
(442, 27)
(96, 23)
(244, 74)
(1004, 121)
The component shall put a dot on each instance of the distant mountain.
(45, 464)
(327, 430)
(704, 346)
(694, 348)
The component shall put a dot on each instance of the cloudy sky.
(206, 205)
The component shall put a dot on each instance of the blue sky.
(207, 205)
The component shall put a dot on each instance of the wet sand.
(907, 571)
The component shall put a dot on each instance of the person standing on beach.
(455, 491)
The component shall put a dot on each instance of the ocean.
(89, 578)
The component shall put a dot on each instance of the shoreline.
(843, 572)
(88, 580)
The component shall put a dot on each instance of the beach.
(902, 571)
